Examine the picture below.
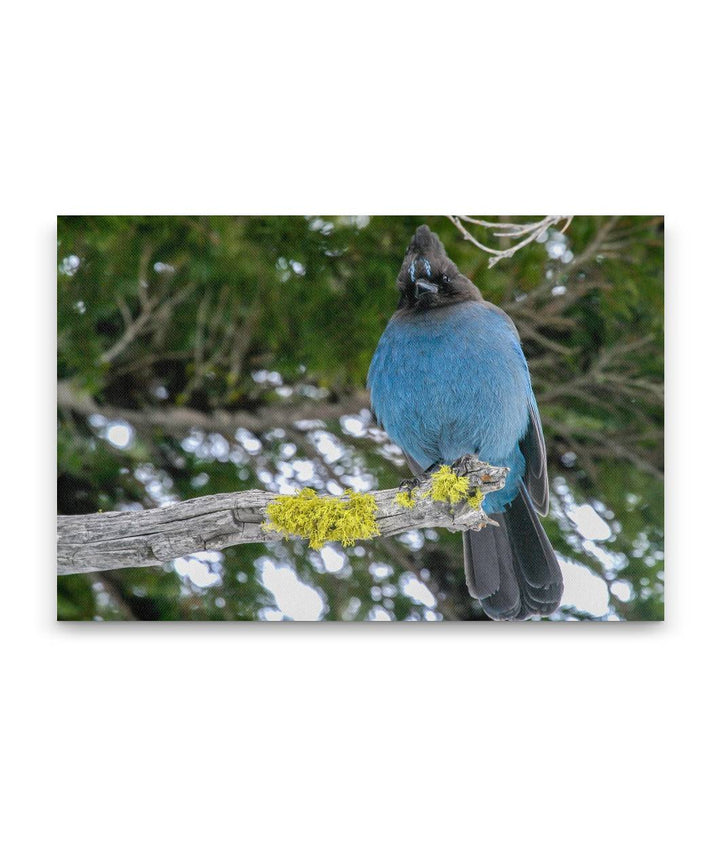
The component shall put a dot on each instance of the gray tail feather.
(512, 568)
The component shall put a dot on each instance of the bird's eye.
(444, 279)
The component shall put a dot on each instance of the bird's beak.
(422, 286)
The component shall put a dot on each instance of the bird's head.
(428, 279)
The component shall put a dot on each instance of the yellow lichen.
(324, 518)
(475, 499)
(406, 498)
(447, 487)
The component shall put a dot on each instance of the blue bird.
(449, 378)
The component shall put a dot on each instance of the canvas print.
(360, 418)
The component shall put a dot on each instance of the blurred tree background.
(201, 355)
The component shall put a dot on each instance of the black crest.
(428, 278)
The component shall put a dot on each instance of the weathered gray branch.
(132, 539)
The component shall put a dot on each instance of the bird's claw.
(463, 464)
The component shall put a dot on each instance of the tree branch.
(226, 422)
(525, 232)
(153, 308)
(132, 539)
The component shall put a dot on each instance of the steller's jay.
(449, 378)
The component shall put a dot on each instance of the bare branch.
(153, 310)
(133, 539)
(527, 232)
(226, 422)
(593, 249)
(132, 331)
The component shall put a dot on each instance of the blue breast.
(454, 381)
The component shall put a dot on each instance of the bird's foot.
(410, 484)
(464, 465)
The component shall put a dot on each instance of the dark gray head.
(428, 279)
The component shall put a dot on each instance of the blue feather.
(455, 381)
